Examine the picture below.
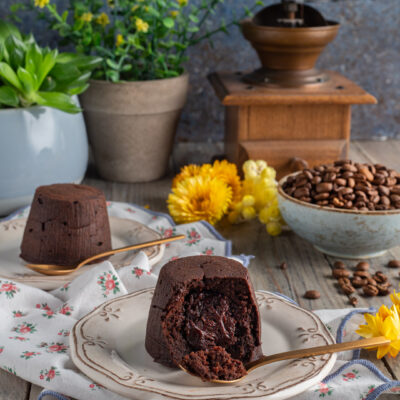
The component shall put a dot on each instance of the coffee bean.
(362, 266)
(348, 289)
(353, 301)
(370, 290)
(394, 264)
(380, 277)
(362, 274)
(340, 273)
(312, 294)
(324, 187)
(358, 282)
(339, 265)
(344, 281)
(283, 266)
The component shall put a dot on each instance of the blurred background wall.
(366, 50)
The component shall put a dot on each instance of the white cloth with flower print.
(36, 324)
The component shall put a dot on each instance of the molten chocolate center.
(209, 321)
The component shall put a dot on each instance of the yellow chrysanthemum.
(385, 323)
(227, 172)
(188, 171)
(119, 40)
(87, 17)
(183, 3)
(174, 13)
(41, 3)
(103, 19)
(395, 297)
(199, 198)
(141, 26)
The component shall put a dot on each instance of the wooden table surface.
(307, 268)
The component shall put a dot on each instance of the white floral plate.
(108, 346)
(123, 233)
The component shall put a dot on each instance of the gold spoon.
(303, 353)
(49, 269)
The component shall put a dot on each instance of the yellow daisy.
(119, 40)
(385, 323)
(103, 19)
(174, 13)
(227, 172)
(41, 3)
(141, 26)
(87, 17)
(199, 198)
(188, 171)
(183, 3)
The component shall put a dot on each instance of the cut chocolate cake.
(67, 223)
(203, 303)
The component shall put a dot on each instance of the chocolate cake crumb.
(214, 363)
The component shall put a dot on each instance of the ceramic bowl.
(341, 233)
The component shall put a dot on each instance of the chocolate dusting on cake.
(202, 303)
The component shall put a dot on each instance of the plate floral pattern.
(104, 348)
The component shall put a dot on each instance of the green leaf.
(8, 96)
(28, 81)
(57, 100)
(193, 18)
(168, 22)
(112, 64)
(8, 74)
(7, 29)
(78, 90)
(48, 63)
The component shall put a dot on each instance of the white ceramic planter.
(39, 146)
(341, 233)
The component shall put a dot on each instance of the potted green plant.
(133, 105)
(42, 131)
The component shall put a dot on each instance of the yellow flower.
(103, 19)
(227, 172)
(183, 3)
(385, 323)
(188, 171)
(134, 8)
(395, 297)
(199, 198)
(174, 14)
(41, 3)
(111, 3)
(141, 26)
(87, 17)
(119, 40)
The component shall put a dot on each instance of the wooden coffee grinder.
(288, 112)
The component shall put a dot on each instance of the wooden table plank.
(12, 387)
(307, 268)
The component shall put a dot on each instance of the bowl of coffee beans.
(348, 209)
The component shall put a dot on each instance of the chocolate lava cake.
(204, 315)
(67, 223)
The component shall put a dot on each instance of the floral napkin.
(36, 324)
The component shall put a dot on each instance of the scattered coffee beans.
(312, 294)
(394, 264)
(372, 285)
(347, 185)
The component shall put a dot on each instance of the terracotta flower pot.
(131, 126)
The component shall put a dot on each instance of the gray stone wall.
(367, 50)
